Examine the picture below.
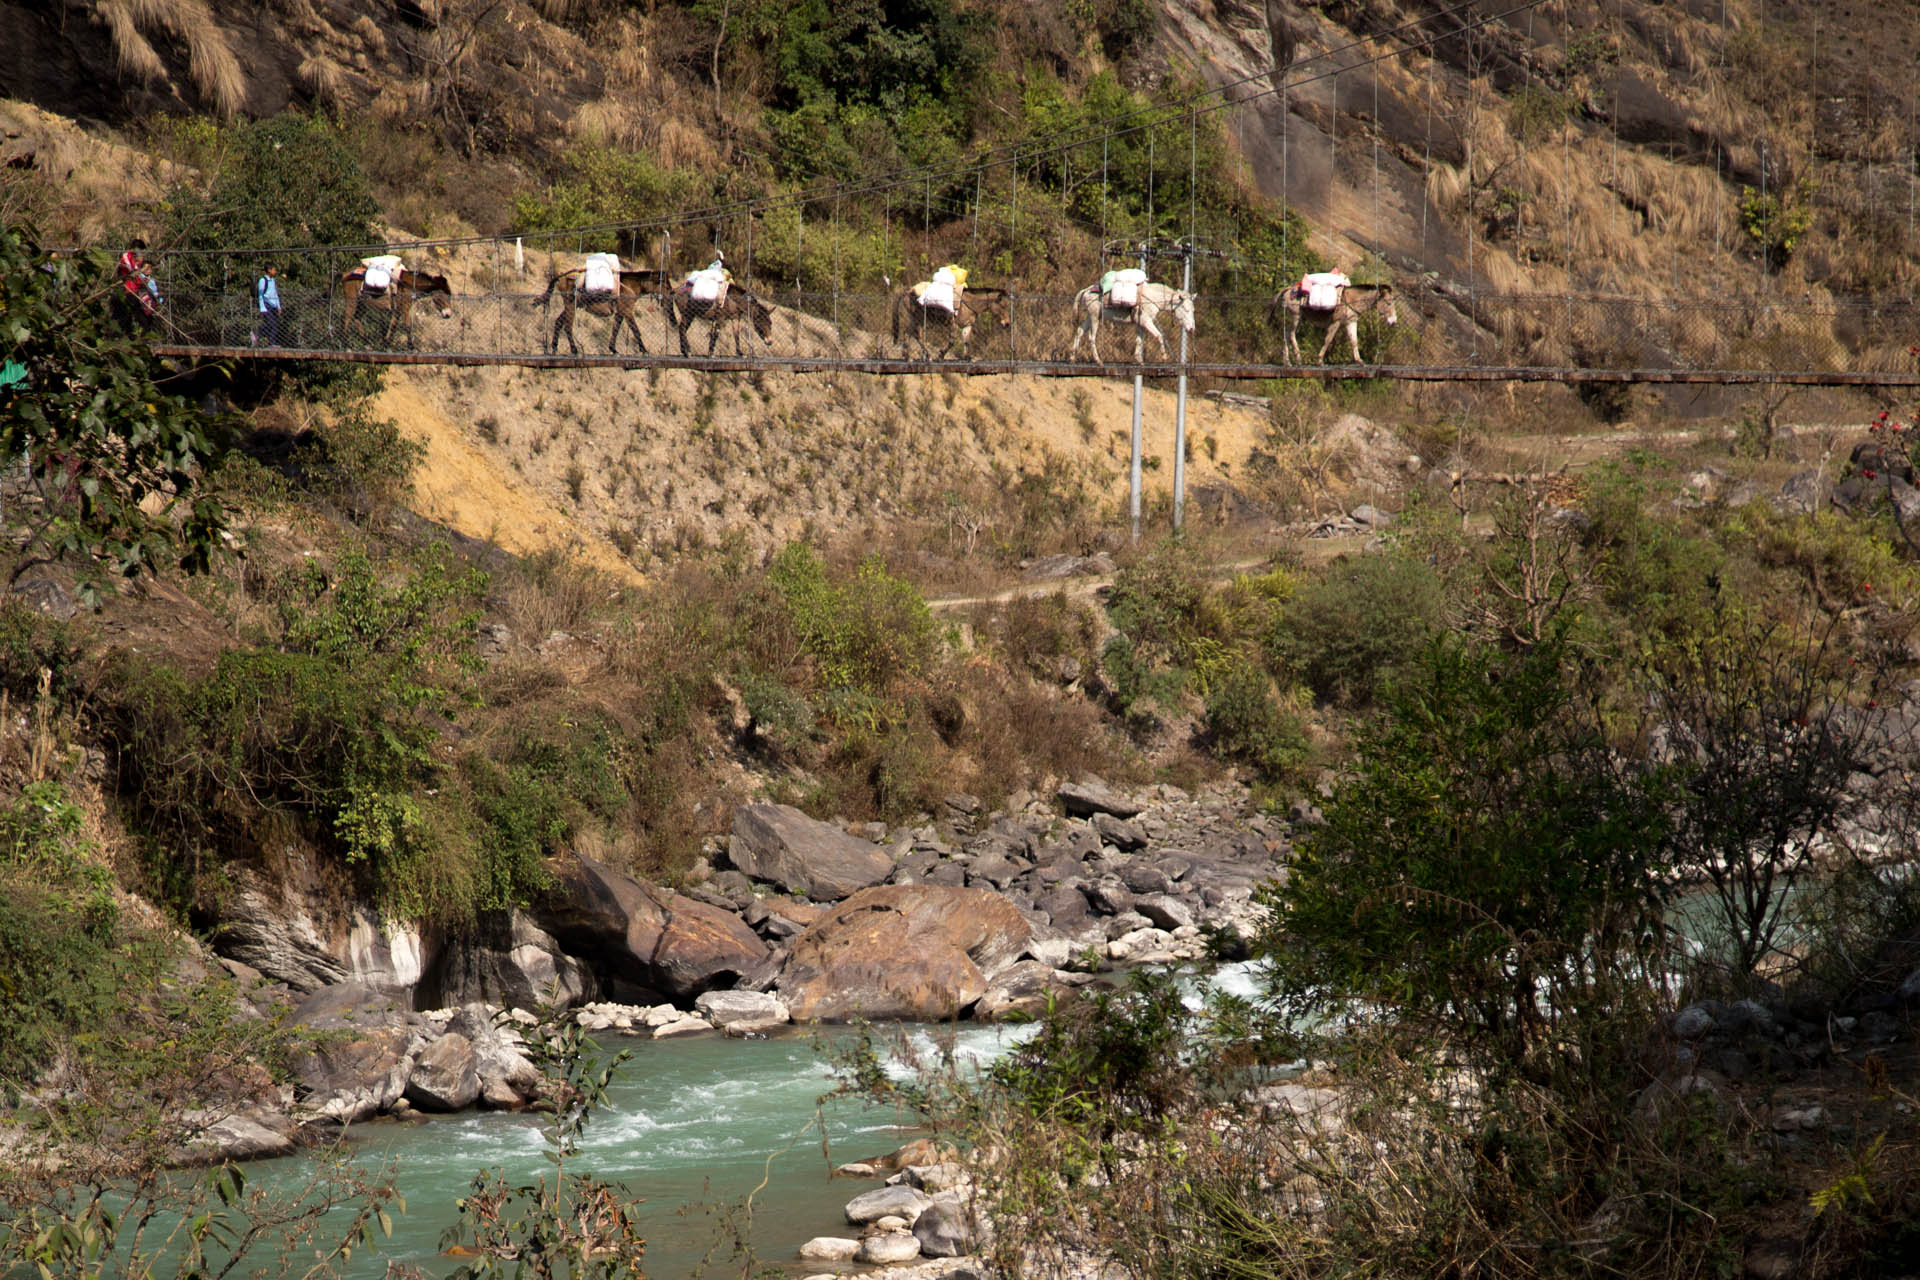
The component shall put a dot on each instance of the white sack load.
(602, 273)
(1125, 291)
(938, 293)
(380, 270)
(1323, 289)
(707, 285)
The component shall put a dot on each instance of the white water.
(694, 1124)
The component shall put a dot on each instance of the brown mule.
(730, 310)
(634, 285)
(911, 320)
(396, 300)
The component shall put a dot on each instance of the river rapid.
(694, 1125)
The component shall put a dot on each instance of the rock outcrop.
(903, 951)
(512, 962)
(653, 940)
(778, 844)
(294, 933)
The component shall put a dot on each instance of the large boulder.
(254, 1133)
(660, 942)
(742, 1012)
(508, 1078)
(888, 1246)
(509, 961)
(351, 1076)
(780, 845)
(1091, 795)
(295, 930)
(887, 1202)
(943, 1229)
(444, 1076)
(903, 951)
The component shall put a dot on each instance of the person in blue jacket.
(266, 296)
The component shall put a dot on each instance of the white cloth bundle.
(939, 294)
(380, 269)
(1323, 289)
(1126, 287)
(602, 274)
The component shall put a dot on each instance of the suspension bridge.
(1486, 338)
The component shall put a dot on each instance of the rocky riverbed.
(974, 913)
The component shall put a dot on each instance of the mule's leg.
(1326, 343)
(1353, 336)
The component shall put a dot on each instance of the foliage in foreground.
(114, 462)
(574, 1226)
(113, 1071)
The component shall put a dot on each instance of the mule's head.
(1388, 311)
(1182, 309)
(999, 308)
(762, 317)
(422, 284)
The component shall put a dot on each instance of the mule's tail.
(546, 298)
(896, 319)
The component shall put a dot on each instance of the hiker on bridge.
(136, 277)
(266, 299)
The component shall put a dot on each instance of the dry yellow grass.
(324, 78)
(214, 71)
(135, 56)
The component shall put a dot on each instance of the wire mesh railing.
(1432, 331)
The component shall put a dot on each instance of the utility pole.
(1133, 474)
(1180, 402)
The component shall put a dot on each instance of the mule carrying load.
(944, 291)
(1121, 289)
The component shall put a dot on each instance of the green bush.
(326, 731)
(287, 182)
(362, 462)
(1105, 1064)
(1488, 871)
(32, 644)
(57, 932)
(1346, 633)
(1247, 723)
(861, 631)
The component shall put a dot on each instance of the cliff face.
(1611, 145)
(1604, 144)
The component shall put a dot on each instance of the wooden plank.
(1066, 369)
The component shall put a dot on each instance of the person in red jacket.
(137, 279)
